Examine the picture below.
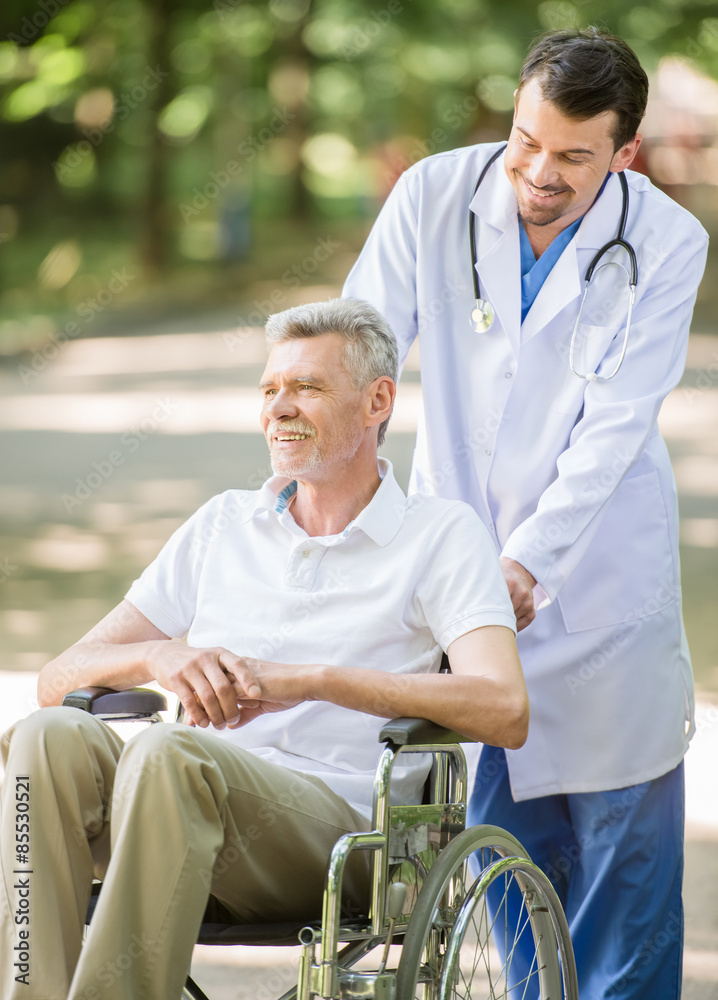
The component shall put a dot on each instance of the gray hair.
(370, 350)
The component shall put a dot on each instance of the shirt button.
(306, 553)
(508, 374)
(488, 451)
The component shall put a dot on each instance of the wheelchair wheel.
(499, 935)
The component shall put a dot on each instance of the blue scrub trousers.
(615, 859)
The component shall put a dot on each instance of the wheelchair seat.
(476, 919)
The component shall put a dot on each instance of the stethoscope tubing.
(472, 222)
(618, 241)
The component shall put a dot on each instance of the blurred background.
(171, 172)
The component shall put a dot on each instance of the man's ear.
(623, 157)
(381, 394)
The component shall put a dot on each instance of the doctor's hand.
(521, 584)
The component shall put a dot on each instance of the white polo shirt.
(394, 589)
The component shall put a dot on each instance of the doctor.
(537, 424)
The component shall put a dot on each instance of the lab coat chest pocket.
(628, 571)
(591, 345)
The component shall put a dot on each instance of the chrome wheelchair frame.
(458, 900)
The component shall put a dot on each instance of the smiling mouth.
(291, 437)
(542, 193)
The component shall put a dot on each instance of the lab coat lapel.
(566, 279)
(497, 250)
(562, 285)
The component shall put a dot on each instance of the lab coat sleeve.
(385, 272)
(617, 420)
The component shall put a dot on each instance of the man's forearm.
(479, 707)
(101, 664)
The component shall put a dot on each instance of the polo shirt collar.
(380, 520)
(384, 514)
(273, 495)
(284, 496)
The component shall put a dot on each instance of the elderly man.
(312, 609)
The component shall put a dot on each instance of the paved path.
(116, 441)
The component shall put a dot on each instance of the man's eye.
(269, 392)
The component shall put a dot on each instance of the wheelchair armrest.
(104, 701)
(412, 732)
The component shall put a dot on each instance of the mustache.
(548, 189)
(289, 427)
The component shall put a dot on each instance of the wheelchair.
(459, 901)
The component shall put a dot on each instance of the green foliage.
(170, 122)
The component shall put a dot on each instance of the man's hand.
(520, 583)
(208, 682)
(213, 685)
(283, 686)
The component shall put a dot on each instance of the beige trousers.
(174, 814)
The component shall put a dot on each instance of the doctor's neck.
(541, 232)
(541, 236)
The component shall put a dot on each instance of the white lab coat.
(572, 477)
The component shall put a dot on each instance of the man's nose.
(281, 404)
(543, 171)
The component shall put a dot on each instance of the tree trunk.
(153, 224)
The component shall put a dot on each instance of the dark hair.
(587, 72)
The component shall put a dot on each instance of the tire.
(460, 923)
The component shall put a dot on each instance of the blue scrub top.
(534, 272)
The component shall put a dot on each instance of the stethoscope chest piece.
(482, 317)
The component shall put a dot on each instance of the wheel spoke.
(482, 950)
(465, 941)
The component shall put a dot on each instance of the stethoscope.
(482, 316)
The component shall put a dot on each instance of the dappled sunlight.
(697, 475)
(138, 415)
(229, 348)
(66, 549)
(700, 531)
(691, 413)
(112, 517)
(167, 494)
(19, 621)
(176, 173)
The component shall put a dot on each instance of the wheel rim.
(484, 957)
(434, 929)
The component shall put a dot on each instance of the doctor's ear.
(623, 157)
